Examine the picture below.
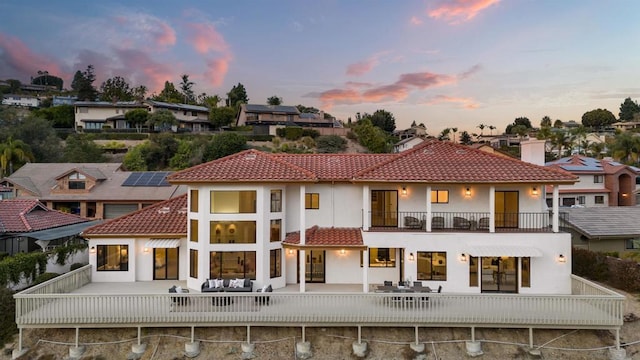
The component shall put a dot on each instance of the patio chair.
(178, 300)
(483, 223)
(439, 289)
(387, 283)
(461, 223)
(417, 284)
(264, 299)
(411, 222)
(437, 222)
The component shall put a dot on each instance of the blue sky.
(444, 63)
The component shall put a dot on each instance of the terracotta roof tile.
(446, 162)
(245, 166)
(327, 237)
(164, 218)
(25, 215)
(334, 166)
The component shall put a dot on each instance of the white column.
(366, 208)
(365, 270)
(555, 208)
(429, 209)
(303, 228)
(492, 208)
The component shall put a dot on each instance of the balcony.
(416, 221)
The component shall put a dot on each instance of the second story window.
(312, 201)
(233, 202)
(276, 200)
(439, 196)
(77, 181)
(193, 197)
(598, 179)
(581, 200)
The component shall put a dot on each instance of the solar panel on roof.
(147, 178)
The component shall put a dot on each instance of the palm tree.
(481, 126)
(491, 128)
(561, 141)
(625, 147)
(13, 150)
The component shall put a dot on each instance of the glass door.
(500, 274)
(314, 266)
(165, 264)
(507, 209)
(384, 208)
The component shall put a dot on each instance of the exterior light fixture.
(290, 251)
(534, 191)
(92, 250)
(624, 195)
(404, 190)
(146, 249)
(467, 192)
(562, 259)
(463, 257)
(411, 258)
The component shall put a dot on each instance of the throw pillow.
(264, 289)
(239, 283)
(219, 283)
(178, 289)
(212, 283)
(232, 283)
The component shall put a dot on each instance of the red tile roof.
(446, 162)
(164, 218)
(26, 215)
(433, 161)
(327, 237)
(245, 166)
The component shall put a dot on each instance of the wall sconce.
(562, 259)
(342, 251)
(92, 250)
(146, 249)
(467, 192)
(463, 257)
(290, 251)
(411, 258)
(534, 191)
(404, 190)
(624, 195)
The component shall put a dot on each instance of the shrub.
(331, 144)
(624, 274)
(589, 264)
(311, 133)
(76, 266)
(7, 315)
(293, 133)
(259, 137)
(351, 135)
(44, 277)
(281, 132)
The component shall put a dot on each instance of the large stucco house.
(444, 214)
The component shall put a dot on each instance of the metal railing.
(461, 221)
(590, 307)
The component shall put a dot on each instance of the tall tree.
(162, 120)
(481, 127)
(237, 95)
(168, 94)
(186, 87)
(210, 102)
(545, 122)
(222, 116)
(116, 89)
(598, 118)
(139, 93)
(465, 138)
(44, 78)
(83, 84)
(61, 116)
(523, 121)
(384, 120)
(224, 144)
(79, 149)
(137, 118)
(557, 124)
(628, 109)
(626, 147)
(274, 100)
(13, 152)
(38, 133)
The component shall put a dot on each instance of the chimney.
(532, 151)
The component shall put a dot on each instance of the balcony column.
(492, 209)
(366, 208)
(555, 208)
(429, 210)
(303, 228)
(365, 270)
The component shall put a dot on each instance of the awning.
(162, 243)
(504, 250)
(61, 231)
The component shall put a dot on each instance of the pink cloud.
(20, 62)
(361, 68)
(339, 96)
(457, 11)
(216, 70)
(385, 93)
(147, 71)
(415, 21)
(205, 38)
(425, 80)
(141, 30)
(165, 36)
(467, 103)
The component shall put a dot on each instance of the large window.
(568, 201)
(276, 200)
(193, 230)
(525, 270)
(599, 199)
(112, 258)
(382, 257)
(439, 196)
(77, 181)
(598, 179)
(233, 202)
(231, 232)
(193, 198)
(193, 263)
(432, 265)
(275, 263)
(276, 232)
(632, 244)
(312, 201)
(232, 265)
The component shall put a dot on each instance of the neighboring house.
(267, 118)
(28, 225)
(602, 182)
(626, 125)
(414, 131)
(407, 144)
(6, 193)
(20, 100)
(93, 115)
(604, 229)
(91, 190)
(490, 149)
(440, 213)
(64, 100)
(500, 141)
(96, 114)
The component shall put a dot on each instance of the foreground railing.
(337, 309)
(460, 221)
(64, 283)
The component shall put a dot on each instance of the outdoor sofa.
(227, 285)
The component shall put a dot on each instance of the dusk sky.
(449, 63)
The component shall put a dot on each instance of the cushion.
(247, 283)
(178, 289)
(212, 283)
(218, 283)
(238, 283)
(269, 289)
(264, 289)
